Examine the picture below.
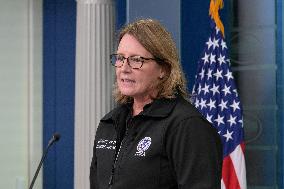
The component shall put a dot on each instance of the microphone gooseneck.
(55, 138)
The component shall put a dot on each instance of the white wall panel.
(20, 91)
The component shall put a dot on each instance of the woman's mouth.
(127, 81)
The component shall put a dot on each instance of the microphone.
(55, 138)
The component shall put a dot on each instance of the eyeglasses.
(135, 62)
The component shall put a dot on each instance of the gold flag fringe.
(215, 5)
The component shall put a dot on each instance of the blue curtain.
(59, 30)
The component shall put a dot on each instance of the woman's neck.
(139, 104)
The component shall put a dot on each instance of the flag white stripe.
(238, 159)
(223, 185)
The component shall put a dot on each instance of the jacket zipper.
(115, 161)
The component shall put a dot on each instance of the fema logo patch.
(142, 146)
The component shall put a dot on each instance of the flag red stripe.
(243, 146)
(238, 161)
(229, 175)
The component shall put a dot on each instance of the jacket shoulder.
(114, 113)
(185, 108)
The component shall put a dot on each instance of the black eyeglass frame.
(127, 60)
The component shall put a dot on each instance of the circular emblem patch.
(142, 146)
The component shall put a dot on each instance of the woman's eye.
(120, 58)
(136, 59)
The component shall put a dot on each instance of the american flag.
(216, 97)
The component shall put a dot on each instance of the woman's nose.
(125, 66)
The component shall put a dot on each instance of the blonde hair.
(158, 41)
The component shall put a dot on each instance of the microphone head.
(56, 137)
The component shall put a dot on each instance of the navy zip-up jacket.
(169, 145)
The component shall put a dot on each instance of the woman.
(155, 138)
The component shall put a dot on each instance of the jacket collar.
(158, 108)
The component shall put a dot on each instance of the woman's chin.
(127, 93)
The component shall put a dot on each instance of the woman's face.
(137, 83)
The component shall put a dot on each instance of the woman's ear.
(162, 74)
(164, 71)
